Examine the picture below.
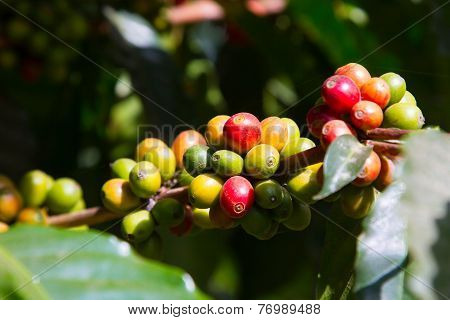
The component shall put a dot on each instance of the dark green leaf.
(343, 161)
(90, 265)
(382, 248)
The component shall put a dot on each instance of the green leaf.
(91, 265)
(382, 248)
(338, 256)
(343, 161)
(426, 176)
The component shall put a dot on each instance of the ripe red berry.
(376, 90)
(386, 175)
(317, 116)
(237, 196)
(356, 72)
(369, 172)
(242, 132)
(366, 115)
(333, 129)
(340, 93)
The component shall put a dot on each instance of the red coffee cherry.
(333, 129)
(356, 72)
(317, 116)
(237, 197)
(366, 115)
(340, 93)
(242, 132)
(369, 172)
(386, 175)
(376, 90)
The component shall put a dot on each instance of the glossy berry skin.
(333, 129)
(356, 72)
(377, 91)
(369, 172)
(137, 226)
(268, 194)
(296, 146)
(220, 219)
(185, 227)
(227, 163)
(340, 93)
(366, 115)
(408, 98)
(32, 216)
(121, 168)
(304, 184)
(300, 218)
(184, 141)
(237, 197)
(242, 132)
(145, 179)
(257, 222)
(168, 212)
(386, 175)
(146, 145)
(197, 160)
(63, 195)
(204, 190)
(274, 132)
(164, 159)
(117, 196)
(403, 116)
(284, 210)
(397, 86)
(293, 131)
(184, 178)
(262, 161)
(214, 131)
(201, 218)
(317, 117)
(34, 188)
(357, 202)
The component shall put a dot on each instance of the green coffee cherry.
(300, 217)
(196, 160)
(150, 248)
(408, 98)
(292, 128)
(168, 212)
(121, 168)
(296, 146)
(137, 226)
(204, 191)
(118, 197)
(304, 185)
(227, 163)
(397, 86)
(63, 195)
(262, 161)
(34, 188)
(164, 159)
(145, 179)
(184, 178)
(256, 222)
(284, 210)
(403, 116)
(80, 205)
(201, 218)
(357, 202)
(271, 232)
(268, 194)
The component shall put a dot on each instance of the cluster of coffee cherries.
(37, 196)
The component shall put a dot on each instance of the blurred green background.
(63, 109)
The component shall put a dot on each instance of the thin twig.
(385, 148)
(386, 133)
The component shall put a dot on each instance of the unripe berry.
(204, 190)
(366, 115)
(145, 179)
(220, 219)
(262, 161)
(168, 212)
(146, 145)
(386, 175)
(369, 172)
(117, 196)
(184, 141)
(34, 187)
(356, 72)
(185, 226)
(137, 226)
(150, 248)
(357, 202)
(377, 91)
(403, 116)
(63, 195)
(214, 131)
(300, 218)
(274, 132)
(257, 222)
(333, 129)
(164, 159)
(397, 86)
(317, 117)
(197, 160)
(32, 216)
(304, 185)
(242, 132)
(237, 197)
(268, 194)
(340, 93)
(121, 168)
